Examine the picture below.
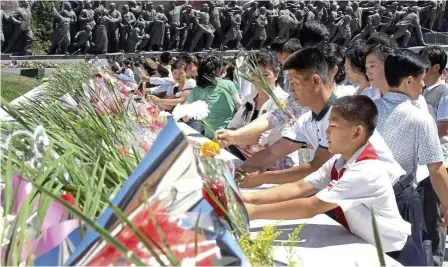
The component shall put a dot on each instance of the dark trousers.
(431, 214)
(410, 208)
(410, 255)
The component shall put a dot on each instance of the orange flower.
(123, 150)
(210, 149)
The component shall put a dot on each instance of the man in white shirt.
(436, 95)
(351, 183)
(410, 133)
(310, 83)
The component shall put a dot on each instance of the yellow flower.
(210, 149)
(283, 104)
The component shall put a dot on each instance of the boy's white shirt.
(311, 132)
(240, 119)
(363, 184)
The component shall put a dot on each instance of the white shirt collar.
(341, 163)
(435, 85)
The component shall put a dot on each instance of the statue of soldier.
(114, 28)
(135, 38)
(203, 28)
(430, 14)
(440, 15)
(215, 20)
(68, 12)
(61, 37)
(98, 9)
(320, 12)
(389, 18)
(149, 13)
(100, 35)
(332, 17)
(373, 22)
(249, 17)
(83, 40)
(271, 28)
(260, 29)
(22, 28)
(135, 10)
(234, 32)
(126, 26)
(174, 24)
(86, 17)
(3, 16)
(187, 19)
(158, 28)
(343, 30)
(410, 19)
(287, 22)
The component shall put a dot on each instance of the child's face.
(339, 133)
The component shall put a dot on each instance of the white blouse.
(243, 116)
(373, 93)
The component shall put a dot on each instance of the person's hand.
(252, 180)
(246, 197)
(154, 99)
(226, 137)
(248, 168)
(444, 212)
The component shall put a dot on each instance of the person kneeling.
(352, 183)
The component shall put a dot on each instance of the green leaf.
(379, 247)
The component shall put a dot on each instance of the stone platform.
(64, 58)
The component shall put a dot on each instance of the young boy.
(350, 183)
(405, 72)
(436, 95)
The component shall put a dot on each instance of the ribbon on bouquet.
(56, 226)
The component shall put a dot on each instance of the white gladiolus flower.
(67, 102)
(197, 110)
(6, 223)
(344, 90)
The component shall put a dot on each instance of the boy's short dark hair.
(356, 53)
(309, 59)
(291, 46)
(277, 44)
(402, 64)
(358, 109)
(313, 33)
(166, 57)
(435, 55)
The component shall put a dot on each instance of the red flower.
(152, 110)
(153, 128)
(69, 198)
(98, 75)
(174, 235)
(217, 189)
(138, 93)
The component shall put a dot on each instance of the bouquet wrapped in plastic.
(175, 209)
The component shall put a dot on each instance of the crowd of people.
(369, 131)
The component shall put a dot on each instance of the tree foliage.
(42, 27)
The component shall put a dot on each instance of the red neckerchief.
(367, 154)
